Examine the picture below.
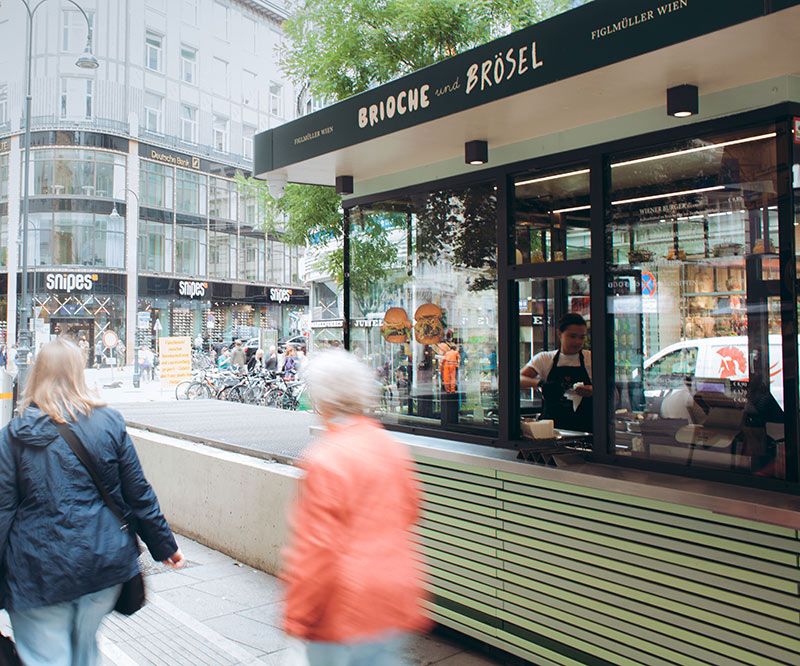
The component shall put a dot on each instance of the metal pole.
(137, 370)
(23, 332)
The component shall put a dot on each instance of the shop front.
(81, 306)
(216, 313)
(567, 250)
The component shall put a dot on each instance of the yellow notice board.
(175, 360)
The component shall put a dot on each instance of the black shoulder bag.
(132, 596)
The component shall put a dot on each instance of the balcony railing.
(39, 123)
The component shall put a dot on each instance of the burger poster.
(428, 326)
(428, 329)
(396, 326)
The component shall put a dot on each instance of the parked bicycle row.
(260, 387)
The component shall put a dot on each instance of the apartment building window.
(221, 20)
(153, 111)
(154, 48)
(74, 32)
(220, 76)
(250, 34)
(276, 99)
(89, 109)
(3, 102)
(190, 11)
(250, 88)
(188, 123)
(248, 133)
(188, 64)
(221, 134)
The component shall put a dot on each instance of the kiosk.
(637, 163)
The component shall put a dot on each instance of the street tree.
(336, 48)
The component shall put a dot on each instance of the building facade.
(137, 223)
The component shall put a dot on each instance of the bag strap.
(83, 455)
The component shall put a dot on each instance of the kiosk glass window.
(423, 304)
(542, 303)
(697, 353)
(551, 215)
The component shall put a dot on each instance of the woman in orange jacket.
(354, 584)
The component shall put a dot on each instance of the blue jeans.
(389, 650)
(63, 634)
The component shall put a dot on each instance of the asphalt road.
(264, 432)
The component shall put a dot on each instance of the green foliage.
(337, 48)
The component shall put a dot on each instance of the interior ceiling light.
(476, 152)
(545, 178)
(683, 101)
(571, 210)
(710, 146)
(668, 195)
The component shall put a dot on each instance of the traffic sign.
(143, 320)
(157, 326)
(648, 284)
(110, 339)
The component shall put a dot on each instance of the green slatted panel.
(562, 574)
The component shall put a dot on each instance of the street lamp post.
(85, 61)
(137, 369)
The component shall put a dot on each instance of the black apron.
(558, 407)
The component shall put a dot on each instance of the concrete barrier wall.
(233, 503)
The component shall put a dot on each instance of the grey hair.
(339, 383)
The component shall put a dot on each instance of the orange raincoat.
(351, 568)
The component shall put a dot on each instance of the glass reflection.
(693, 233)
(423, 303)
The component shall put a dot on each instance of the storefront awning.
(606, 59)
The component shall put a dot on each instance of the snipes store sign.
(70, 282)
(192, 289)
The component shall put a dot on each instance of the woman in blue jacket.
(64, 557)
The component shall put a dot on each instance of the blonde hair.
(57, 384)
(340, 384)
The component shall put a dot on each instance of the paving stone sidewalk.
(217, 611)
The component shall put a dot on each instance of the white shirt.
(543, 362)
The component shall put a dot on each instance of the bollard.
(7, 381)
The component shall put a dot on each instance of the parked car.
(710, 361)
(296, 342)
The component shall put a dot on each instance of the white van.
(713, 359)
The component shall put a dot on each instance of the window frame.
(158, 113)
(191, 122)
(276, 90)
(220, 125)
(597, 157)
(152, 48)
(189, 65)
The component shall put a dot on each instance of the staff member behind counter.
(557, 372)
